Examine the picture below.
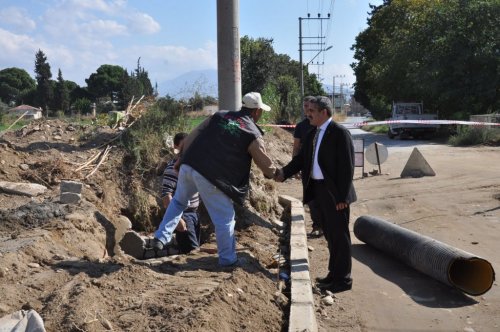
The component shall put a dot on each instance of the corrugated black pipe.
(470, 274)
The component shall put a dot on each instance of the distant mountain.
(205, 82)
(185, 85)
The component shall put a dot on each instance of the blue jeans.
(219, 207)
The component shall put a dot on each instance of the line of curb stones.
(302, 314)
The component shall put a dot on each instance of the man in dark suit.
(326, 160)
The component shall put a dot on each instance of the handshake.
(279, 176)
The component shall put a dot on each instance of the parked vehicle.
(411, 111)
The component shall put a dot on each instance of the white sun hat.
(254, 100)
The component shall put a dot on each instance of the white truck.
(411, 121)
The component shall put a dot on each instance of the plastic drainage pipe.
(470, 274)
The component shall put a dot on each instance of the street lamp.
(326, 49)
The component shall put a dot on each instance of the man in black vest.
(326, 160)
(216, 160)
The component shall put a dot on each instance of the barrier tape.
(421, 122)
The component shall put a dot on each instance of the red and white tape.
(422, 122)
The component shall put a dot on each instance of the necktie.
(315, 141)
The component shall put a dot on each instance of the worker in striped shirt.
(188, 229)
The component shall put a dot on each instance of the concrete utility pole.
(333, 94)
(228, 54)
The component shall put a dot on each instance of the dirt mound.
(61, 260)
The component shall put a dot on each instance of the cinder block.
(70, 198)
(71, 187)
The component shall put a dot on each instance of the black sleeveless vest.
(220, 152)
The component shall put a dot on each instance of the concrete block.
(286, 200)
(298, 228)
(297, 216)
(133, 244)
(302, 292)
(300, 270)
(70, 198)
(71, 187)
(298, 241)
(299, 254)
(302, 318)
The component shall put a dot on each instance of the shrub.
(144, 141)
(379, 129)
(82, 105)
(467, 135)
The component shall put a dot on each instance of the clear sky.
(171, 37)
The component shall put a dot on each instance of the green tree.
(210, 100)
(257, 57)
(61, 94)
(262, 67)
(289, 98)
(78, 93)
(137, 84)
(14, 84)
(43, 75)
(444, 53)
(71, 87)
(197, 102)
(142, 76)
(82, 105)
(131, 87)
(108, 81)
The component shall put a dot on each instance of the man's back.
(220, 152)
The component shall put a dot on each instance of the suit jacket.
(336, 160)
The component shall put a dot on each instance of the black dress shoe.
(326, 280)
(337, 287)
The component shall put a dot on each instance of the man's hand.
(341, 206)
(166, 200)
(181, 226)
(279, 176)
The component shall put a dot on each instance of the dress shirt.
(317, 174)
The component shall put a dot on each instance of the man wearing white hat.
(215, 161)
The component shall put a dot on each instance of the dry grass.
(197, 114)
(339, 117)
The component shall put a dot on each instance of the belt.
(317, 180)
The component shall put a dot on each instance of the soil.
(62, 260)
